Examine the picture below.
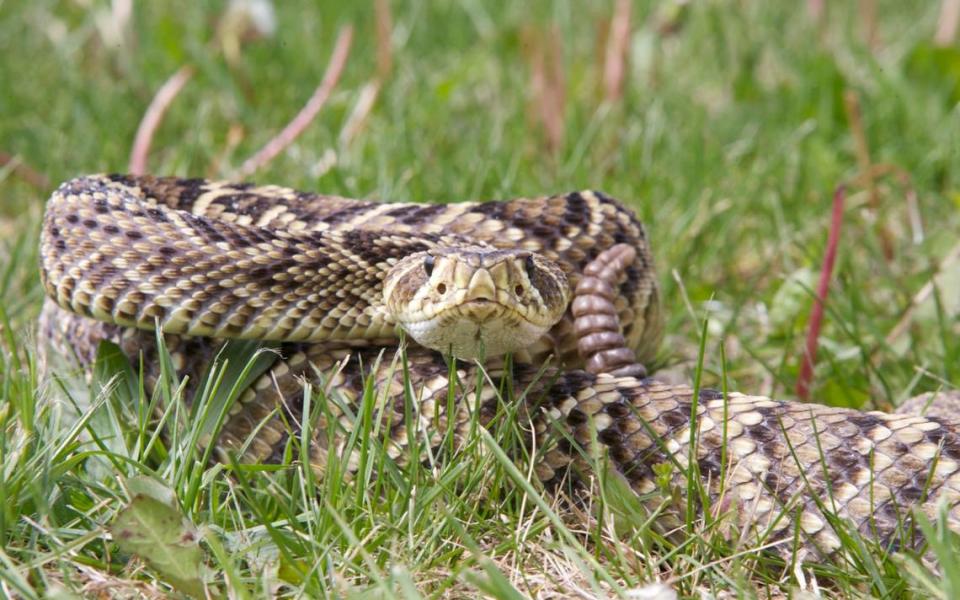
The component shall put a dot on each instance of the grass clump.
(733, 130)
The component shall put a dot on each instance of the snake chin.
(476, 330)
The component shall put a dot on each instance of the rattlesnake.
(207, 261)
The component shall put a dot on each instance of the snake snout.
(481, 288)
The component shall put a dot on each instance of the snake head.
(476, 302)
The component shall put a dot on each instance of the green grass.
(728, 143)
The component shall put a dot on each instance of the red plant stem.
(947, 23)
(152, 117)
(275, 146)
(618, 46)
(823, 287)
(816, 8)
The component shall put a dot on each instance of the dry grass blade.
(152, 117)
(361, 110)
(878, 171)
(235, 135)
(113, 24)
(851, 104)
(275, 146)
(868, 17)
(370, 92)
(241, 22)
(921, 296)
(24, 171)
(384, 23)
(547, 86)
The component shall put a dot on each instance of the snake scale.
(209, 261)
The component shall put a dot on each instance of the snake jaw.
(460, 333)
(476, 302)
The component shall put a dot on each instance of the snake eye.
(428, 264)
(529, 265)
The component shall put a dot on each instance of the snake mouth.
(476, 328)
(484, 310)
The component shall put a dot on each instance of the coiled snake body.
(331, 279)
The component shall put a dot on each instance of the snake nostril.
(518, 290)
(441, 288)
